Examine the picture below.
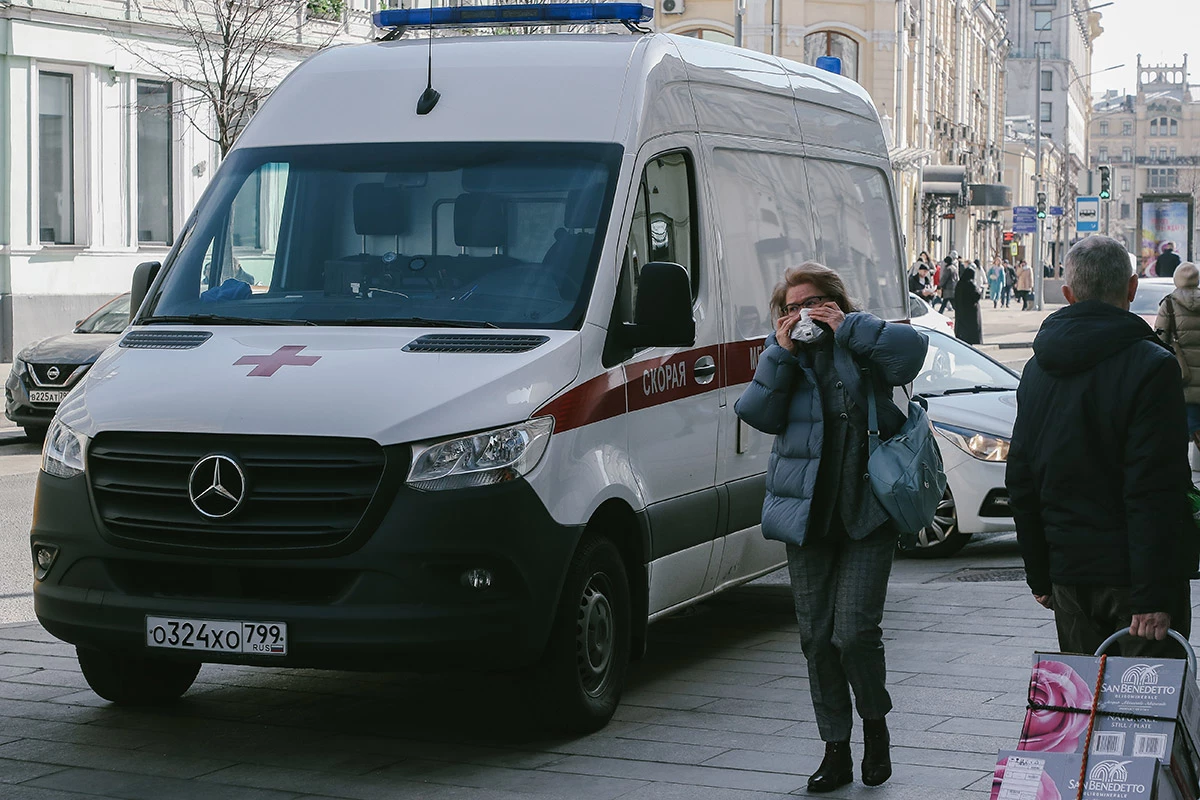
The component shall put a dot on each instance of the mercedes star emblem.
(217, 486)
(53, 373)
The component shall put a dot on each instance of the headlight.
(983, 446)
(482, 458)
(19, 366)
(62, 454)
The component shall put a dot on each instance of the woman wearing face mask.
(810, 392)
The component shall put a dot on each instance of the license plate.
(47, 397)
(217, 636)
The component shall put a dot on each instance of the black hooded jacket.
(1098, 471)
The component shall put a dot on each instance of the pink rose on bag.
(1056, 684)
(1046, 788)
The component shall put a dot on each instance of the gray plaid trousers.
(839, 586)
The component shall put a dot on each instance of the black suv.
(44, 372)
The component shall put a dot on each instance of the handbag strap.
(872, 414)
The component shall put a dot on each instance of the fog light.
(43, 559)
(477, 578)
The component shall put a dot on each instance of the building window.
(56, 161)
(709, 35)
(1042, 49)
(1044, 2)
(1173, 151)
(1103, 125)
(1047, 112)
(1153, 152)
(1127, 154)
(1048, 86)
(1041, 20)
(1103, 155)
(1164, 179)
(1126, 128)
(1174, 128)
(1001, 4)
(828, 43)
(1124, 210)
(1126, 183)
(153, 162)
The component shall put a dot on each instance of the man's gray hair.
(1098, 268)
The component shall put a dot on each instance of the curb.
(1005, 346)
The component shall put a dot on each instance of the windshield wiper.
(220, 319)
(416, 322)
(978, 390)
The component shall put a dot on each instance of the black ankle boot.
(877, 761)
(837, 769)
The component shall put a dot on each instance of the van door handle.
(705, 369)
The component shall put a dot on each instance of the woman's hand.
(830, 314)
(783, 332)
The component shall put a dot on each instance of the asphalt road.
(19, 462)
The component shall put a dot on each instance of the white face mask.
(806, 330)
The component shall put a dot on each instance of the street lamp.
(1039, 272)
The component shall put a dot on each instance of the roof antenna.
(429, 98)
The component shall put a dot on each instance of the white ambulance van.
(455, 389)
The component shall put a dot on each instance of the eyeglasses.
(811, 302)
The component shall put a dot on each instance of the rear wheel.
(941, 538)
(132, 679)
(583, 670)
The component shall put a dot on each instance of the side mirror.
(663, 316)
(143, 275)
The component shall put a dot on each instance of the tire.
(942, 538)
(129, 679)
(36, 433)
(582, 672)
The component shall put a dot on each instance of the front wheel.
(583, 669)
(941, 538)
(131, 679)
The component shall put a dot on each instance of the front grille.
(300, 492)
(226, 583)
(56, 376)
(473, 343)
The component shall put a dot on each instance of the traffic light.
(1105, 182)
(1041, 205)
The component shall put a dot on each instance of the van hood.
(352, 382)
(70, 348)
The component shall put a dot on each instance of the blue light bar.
(496, 16)
(830, 64)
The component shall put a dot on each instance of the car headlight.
(480, 459)
(984, 446)
(62, 453)
(19, 367)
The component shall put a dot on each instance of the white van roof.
(601, 88)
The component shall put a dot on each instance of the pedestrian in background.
(1166, 264)
(949, 281)
(921, 284)
(921, 259)
(1025, 285)
(840, 540)
(1100, 405)
(968, 319)
(1178, 325)
(1010, 282)
(995, 281)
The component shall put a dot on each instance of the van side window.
(663, 227)
(857, 235)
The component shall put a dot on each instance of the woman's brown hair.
(826, 281)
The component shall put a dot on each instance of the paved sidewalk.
(719, 710)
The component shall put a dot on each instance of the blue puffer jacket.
(784, 400)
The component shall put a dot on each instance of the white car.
(921, 313)
(972, 403)
(1150, 293)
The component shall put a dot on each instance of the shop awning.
(996, 195)
(944, 181)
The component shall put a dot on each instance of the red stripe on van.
(741, 359)
(598, 399)
(661, 380)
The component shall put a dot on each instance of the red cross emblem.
(286, 356)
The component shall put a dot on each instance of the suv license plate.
(46, 397)
(217, 636)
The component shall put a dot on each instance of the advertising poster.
(1164, 220)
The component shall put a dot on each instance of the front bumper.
(20, 409)
(396, 601)
(980, 496)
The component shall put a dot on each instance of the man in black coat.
(1165, 264)
(1098, 470)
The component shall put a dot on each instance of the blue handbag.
(906, 470)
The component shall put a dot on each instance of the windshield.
(1149, 295)
(953, 366)
(473, 234)
(112, 317)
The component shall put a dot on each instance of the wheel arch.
(630, 532)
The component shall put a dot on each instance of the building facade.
(1049, 85)
(1151, 140)
(104, 154)
(935, 71)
